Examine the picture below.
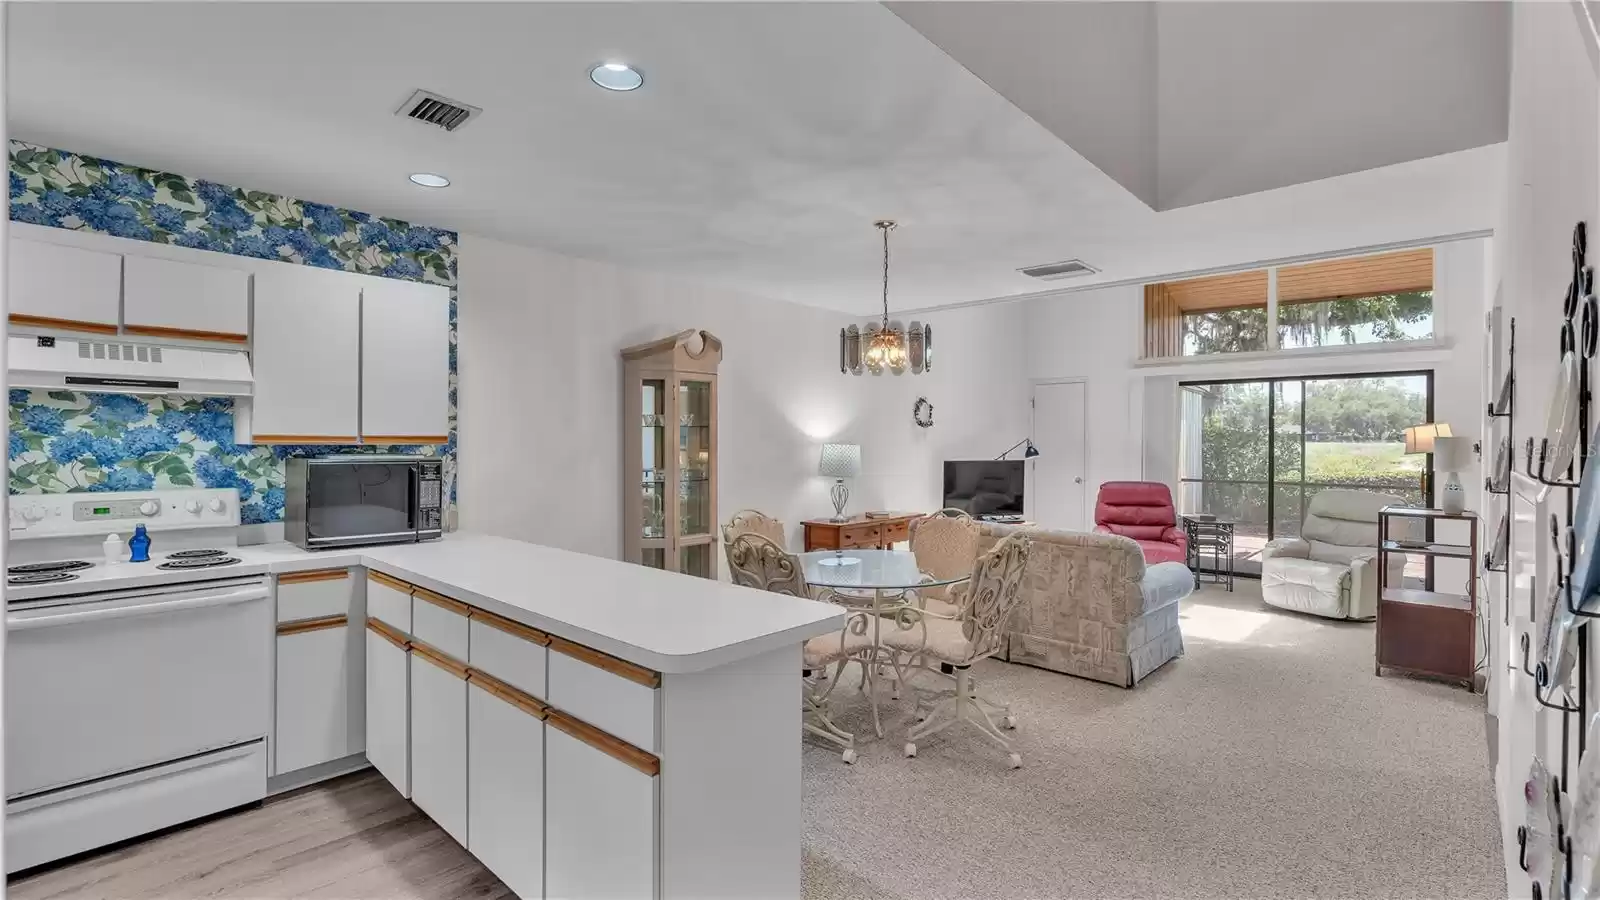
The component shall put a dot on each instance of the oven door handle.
(24, 623)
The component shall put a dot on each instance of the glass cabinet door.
(653, 471)
(694, 458)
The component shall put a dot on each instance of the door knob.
(1078, 480)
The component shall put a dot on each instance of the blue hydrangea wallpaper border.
(64, 441)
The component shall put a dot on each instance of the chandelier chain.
(885, 277)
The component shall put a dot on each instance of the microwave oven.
(358, 499)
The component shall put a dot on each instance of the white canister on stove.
(112, 548)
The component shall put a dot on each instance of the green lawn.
(1331, 461)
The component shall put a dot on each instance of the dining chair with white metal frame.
(947, 646)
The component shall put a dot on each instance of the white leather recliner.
(1331, 569)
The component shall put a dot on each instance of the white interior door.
(1058, 495)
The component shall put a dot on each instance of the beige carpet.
(1268, 761)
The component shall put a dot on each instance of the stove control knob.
(193, 506)
(33, 513)
(217, 505)
(149, 508)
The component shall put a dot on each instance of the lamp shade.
(840, 461)
(1420, 438)
(1450, 453)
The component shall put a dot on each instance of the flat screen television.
(984, 487)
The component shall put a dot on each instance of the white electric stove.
(136, 694)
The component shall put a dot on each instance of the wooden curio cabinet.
(670, 453)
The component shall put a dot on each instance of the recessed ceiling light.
(615, 76)
(428, 179)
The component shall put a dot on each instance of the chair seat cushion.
(1305, 585)
(1160, 552)
(830, 648)
(944, 640)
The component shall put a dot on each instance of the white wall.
(1552, 182)
(540, 397)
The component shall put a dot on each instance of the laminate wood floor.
(352, 838)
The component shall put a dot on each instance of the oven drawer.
(61, 823)
(134, 678)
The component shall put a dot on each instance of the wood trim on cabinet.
(390, 581)
(622, 668)
(304, 439)
(314, 575)
(388, 633)
(439, 658)
(228, 337)
(441, 601)
(68, 324)
(515, 629)
(526, 702)
(300, 626)
(606, 743)
(407, 438)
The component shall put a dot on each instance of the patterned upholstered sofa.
(1092, 608)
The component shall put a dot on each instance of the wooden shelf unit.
(1427, 633)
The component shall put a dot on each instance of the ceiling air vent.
(1052, 271)
(433, 109)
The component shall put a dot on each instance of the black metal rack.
(1578, 335)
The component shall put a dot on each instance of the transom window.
(1359, 300)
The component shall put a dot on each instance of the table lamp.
(840, 461)
(1450, 457)
(1419, 439)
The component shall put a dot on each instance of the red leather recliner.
(1143, 511)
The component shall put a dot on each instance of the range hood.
(117, 366)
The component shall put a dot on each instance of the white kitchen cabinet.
(389, 600)
(315, 594)
(166, 298)
(439, 622)
(306, 352)
(313, 709)
(55, 286)
(439, 740)
(615, 696)
(600, 815)
(405, 361)
(388, 702)
(505, 784)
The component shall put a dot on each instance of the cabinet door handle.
(301, 626)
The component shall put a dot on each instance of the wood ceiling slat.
(1407, 270)
(1228, 291)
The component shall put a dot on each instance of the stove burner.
(204, 562)
(195, 554)
(66, 565)
(40, 578)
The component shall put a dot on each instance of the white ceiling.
(1185, 103)
(766, 140)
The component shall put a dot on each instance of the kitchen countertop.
(664, 621)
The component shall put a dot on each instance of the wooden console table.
(858, 533)
(1421, 632)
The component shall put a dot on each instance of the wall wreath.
(922, 412)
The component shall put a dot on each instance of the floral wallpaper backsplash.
(62, 441)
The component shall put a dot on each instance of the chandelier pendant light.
(885, 346)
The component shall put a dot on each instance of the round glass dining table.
(875, 579)
(868, 570)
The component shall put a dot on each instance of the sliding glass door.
(1256, 452)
